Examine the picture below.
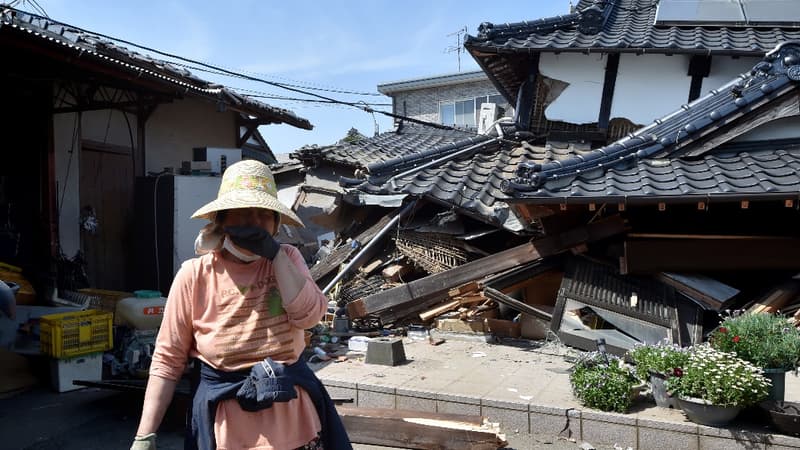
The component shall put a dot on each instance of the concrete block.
(376, 397)
(385, 351)
(416, 403)
(511, 421)
(566, 425)
(458, 408)
(599, 432)
(653, 439)
(342, 393)
(775, 441)
(718, 443)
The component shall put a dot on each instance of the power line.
(337, 91)
(293, 99)
(248, 77)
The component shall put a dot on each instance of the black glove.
(255, 239)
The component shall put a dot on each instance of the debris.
(416, 429)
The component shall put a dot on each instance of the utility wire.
(248, 77)
(337, 91)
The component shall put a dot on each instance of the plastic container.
(142, 312)
(71, 334)
(64, 371)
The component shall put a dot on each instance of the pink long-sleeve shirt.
(231, 316)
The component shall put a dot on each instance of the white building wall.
(650, 86)
(174, 129)
(785, 128)
(580, 102)
(724, 69)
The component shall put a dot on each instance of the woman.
(241, 310)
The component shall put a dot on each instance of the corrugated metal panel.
(599, 285)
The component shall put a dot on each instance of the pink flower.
(736, 339)
(723, 330)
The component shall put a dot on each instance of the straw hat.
(248, 184)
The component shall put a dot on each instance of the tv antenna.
(459, 47)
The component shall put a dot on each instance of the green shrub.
(661, 358)
(766, 340)
(602, 383)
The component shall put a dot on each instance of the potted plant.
(603, 381)
(655, 363)
(713, 386)
(768, 341)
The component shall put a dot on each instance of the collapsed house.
(582, 222)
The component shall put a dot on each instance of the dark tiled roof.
(770, 168)
(85, 44)
(623, 26)
(471, 182)
(648, 162)
(407, 142)
(506, 51)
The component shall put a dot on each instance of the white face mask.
(228, 245)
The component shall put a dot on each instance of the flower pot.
(659, 384)
(785, 415)
(778, 379)
(704, 413)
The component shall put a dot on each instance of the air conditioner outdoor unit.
(487, 116)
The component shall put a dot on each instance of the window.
(464, 113)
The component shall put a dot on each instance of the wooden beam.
(609, 83)
(402, 301)
(398, 302)
(439, 310)
(777, 297)
(498, 296)
(711, 293)
(420, 430)
(713, 253)
(785, 107)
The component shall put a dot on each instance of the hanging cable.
(248, 77)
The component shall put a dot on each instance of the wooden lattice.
(432, 251)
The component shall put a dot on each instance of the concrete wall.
(648, 86)
(172, 131)
(580, 101)
(785, 128)
(423, 104)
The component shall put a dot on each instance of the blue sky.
(346, 45)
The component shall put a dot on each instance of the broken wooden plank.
(776, 298)
(498, 296)
(396, 272)
(420, 430)
(503, 328)
(694, 253)
(710, 293)
(420, 294)
(463, 289)
(341, 253)
(417, 295)
(438, 310)
(473, 326)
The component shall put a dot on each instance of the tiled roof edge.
(775, 75)
(109, 52)
(589, 20)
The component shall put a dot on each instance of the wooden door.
(106, 193)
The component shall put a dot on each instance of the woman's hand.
(254, 239)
